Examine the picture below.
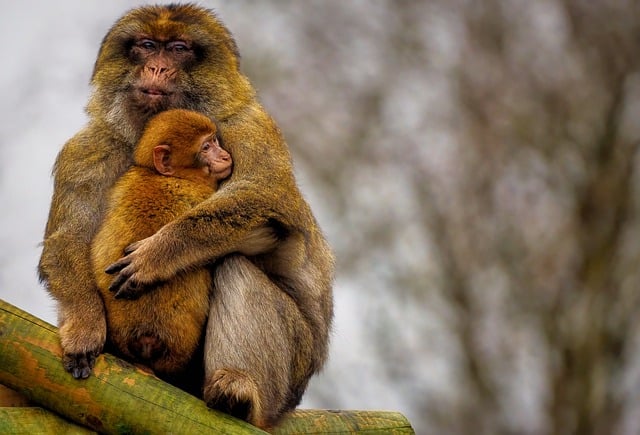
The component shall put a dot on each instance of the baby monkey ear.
(162, 159)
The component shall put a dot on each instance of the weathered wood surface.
(9, 397)
(31, 421)
(120, 398)
(312, 421)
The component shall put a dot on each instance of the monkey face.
(156, 77)
(157, 58)
(215, 160)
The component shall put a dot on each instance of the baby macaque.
(178, 163)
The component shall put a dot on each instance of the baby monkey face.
(214, 160)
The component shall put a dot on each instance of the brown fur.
(163, 327)
(293, 282)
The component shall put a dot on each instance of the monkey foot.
(80, 365)
(235, 393)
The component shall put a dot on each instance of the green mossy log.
(121, 398)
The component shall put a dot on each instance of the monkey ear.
(162, 159)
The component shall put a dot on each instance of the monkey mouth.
(152, 99)
(153, 93)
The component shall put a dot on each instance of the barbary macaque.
(178, 163)
(261, 347)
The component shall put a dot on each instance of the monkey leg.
(249, 344)
(81, 344)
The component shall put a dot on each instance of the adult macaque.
(178, 163)
(270, 314)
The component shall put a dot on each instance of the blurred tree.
(480, 164)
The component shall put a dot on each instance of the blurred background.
(474, 165)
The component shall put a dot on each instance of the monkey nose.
(157, 69)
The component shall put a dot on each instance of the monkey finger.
(119, 281)
(132, 247)
(130, 290)
(118, 266)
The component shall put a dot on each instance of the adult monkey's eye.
(147, 44)
(178, 47)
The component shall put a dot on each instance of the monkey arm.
(66, 270)
(81, 316)
(236, 219)
(65, 263)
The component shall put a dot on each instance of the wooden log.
(117, 398)
(312, 421)
(9, 397)
(34, 420)
(120, 398)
